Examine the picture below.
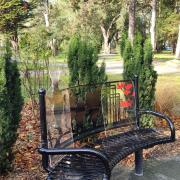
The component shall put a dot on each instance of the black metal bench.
(86, 130)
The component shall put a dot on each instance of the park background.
(35, 42)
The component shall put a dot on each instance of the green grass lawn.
(114, 77)
(164, 56)
(62, 58)
(170, 81)
(161, 57)
(167, 91)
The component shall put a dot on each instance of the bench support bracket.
(139, 163)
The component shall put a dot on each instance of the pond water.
(165, 169)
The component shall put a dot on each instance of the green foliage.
(128, 60)
(168, 24)
(33, 45)
(73, 60)
(82, 59)
(138, 60)
(96, 17)
(138, 53)
(11, 103)
(148, 54)
(123, 42)
(13, 13)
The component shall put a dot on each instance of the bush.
(128, 60)
(11, 104)
(82, 59)
(138, 53)
(138, 60)
(123, 42)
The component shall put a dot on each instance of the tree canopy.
(13, 14)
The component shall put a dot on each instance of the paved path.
(164, 169)
(116, 67)
(172, 66)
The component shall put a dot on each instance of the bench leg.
(139, 163)
(105, 177)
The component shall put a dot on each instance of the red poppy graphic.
(133, 94)
(126, 104)
(128, 86)
(127, 92)
(120, 85)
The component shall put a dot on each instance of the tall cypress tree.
(123, 42)
(148, 79)
(82, 59)
(73, 63)
(11, 104)
(138, 60)
(128, 60)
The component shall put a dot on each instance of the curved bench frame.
(45, 151)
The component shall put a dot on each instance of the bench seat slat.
(115, 147)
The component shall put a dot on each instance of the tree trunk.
(153, 24)
(131, 32)
(46, 19)
(46, 13)
(178, 46)
(106, 44)
(174, 47)
(14, 43)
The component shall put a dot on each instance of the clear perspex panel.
(79, 116)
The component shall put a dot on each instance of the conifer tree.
(138, 60)
(148, 79)
(138, 53)
(123, 42)
(128, 60)
(73, 63)
(82, 59)
(11, 103)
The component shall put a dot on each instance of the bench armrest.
(55, 151)
(162, 116)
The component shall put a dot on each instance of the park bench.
(87, 130)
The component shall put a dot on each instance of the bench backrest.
(71, 116)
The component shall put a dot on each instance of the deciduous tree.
(102, 15)
(153, 24)
(132, 10)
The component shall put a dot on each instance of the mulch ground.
(27, 162)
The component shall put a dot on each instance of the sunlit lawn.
(164, 56)
(111, 57)
(62, 58)
(171, 82)
(161, 57)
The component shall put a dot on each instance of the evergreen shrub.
(11, 104)
(138, 60)
(82, 63)
(123, 42)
